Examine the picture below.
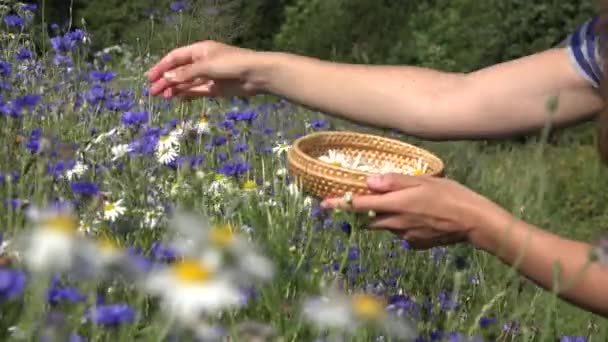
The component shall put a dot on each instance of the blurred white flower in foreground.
(338, 311)
(198, 234)
(53, 243)
(190, 288)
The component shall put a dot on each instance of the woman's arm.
(505, 99)
(509, 239)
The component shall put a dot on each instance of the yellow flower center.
(107, 245)
(108, 206)
(418, 172)
(219, 177)
(203, 119)
(222, 235)
(336, 163)
(62, 222)
(368, 307)
(164, 138)
(249, 185)
(191, 271)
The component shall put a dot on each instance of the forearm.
(400, 97)
(535, 252)
(505, 99)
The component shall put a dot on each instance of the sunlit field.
(127, 217)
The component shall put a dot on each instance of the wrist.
(491, 222)
(264, 70)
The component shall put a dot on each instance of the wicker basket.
(326, 180)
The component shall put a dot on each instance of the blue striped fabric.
(583, 47)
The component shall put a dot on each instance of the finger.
(393, 222)
(172, 79)
(392, 181)
(173, 59)
(392, 202)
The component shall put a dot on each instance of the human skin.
(498, 101)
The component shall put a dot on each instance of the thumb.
(392, 182)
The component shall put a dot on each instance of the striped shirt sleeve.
(583, 48)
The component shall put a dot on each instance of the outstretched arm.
(501, 100)
(579, 281)
(505, 99)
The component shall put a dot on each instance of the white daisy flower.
(197, 233)
(166, 155)
(189, 288)
(52, 245)
(202, 126)
(347, 313)
(336, 158)
(168, 142)
(113, 210)
(77, 171)
(120, 151)
(280, 148)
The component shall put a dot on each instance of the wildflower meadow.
(131, 218)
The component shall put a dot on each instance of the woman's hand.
(426, 211)
(207, 68)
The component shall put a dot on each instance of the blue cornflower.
(24, 54)
(57, 294)
(247, 116)
(122, 101)
(222, 156)
(180, 6)
(447, 302)
(63, 60)
(27, 101)
(62, 44)
(353, 253)
(240, 147)
(11, 109)
(60, 167)
(111, 315)
(101, 76)
(219, 140)
(138, 261)
(5, 68)
(84, 188)
(485, 322)
(13, 203)
(13, 20)
(33, 144)
(573, 339)
(234, 169)
(162, 253)
(29, 7)
(77, 35)
(346, 227)
(95, 94)
(226, 124)
(318, 124)
(403, 305)
(134, 118)
(12, 283)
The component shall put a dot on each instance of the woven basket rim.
(297, 143)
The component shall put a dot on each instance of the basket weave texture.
(324, 180)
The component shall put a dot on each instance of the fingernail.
(169, 75)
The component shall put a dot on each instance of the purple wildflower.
(12, 283)
(111, 315)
